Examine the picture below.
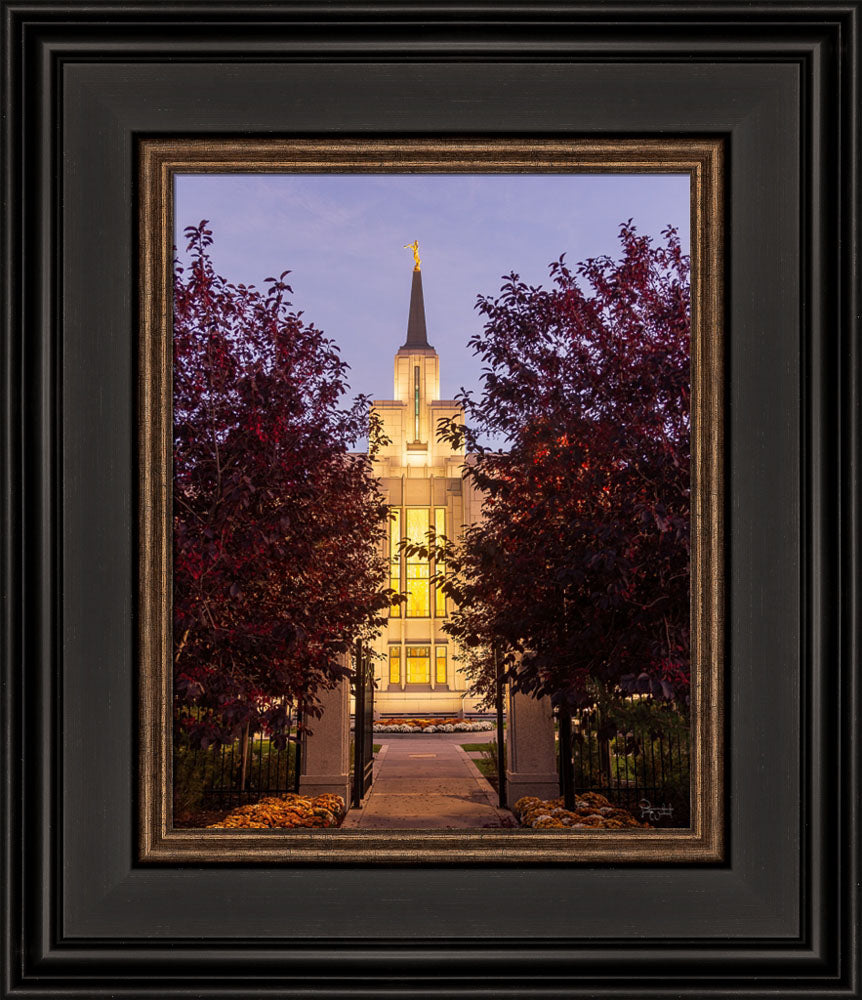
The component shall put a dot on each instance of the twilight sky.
(341, 236)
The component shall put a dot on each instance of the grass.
(488, 769)
(487, 763)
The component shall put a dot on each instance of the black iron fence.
(362, 762)
(233, 774)
(637, 757)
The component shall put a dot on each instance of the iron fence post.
(567, 769)
(359, 715)
(297, 757)
(501, 743)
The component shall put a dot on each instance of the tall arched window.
(418, 583)
(395, 557)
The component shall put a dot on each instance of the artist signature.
(649, 811)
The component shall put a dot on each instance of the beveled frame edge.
(158, 161)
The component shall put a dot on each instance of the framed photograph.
(373, 377)
(252, 724)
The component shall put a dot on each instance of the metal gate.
(363, 726)
(247, 769)
(501, 732)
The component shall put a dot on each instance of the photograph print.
(431, 519)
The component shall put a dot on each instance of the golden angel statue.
(414, 246)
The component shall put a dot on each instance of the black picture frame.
(83, 82)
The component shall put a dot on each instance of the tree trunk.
(244, 766)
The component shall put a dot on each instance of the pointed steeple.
(417, 335)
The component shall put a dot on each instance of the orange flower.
(286, 812)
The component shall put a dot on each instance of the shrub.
(418, 725)
(286, 812)
(592, 811)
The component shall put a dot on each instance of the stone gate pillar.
(531, 754)
(326, 753)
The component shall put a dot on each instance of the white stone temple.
(423, 483)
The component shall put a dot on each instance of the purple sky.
(341, 236)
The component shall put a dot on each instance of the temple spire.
(417, 333)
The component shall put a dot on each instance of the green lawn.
(487, 763)
(488, 769)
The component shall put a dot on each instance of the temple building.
(422, 480)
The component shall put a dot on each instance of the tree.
(578, 574)
(277, 526)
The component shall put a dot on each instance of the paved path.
(425, 783)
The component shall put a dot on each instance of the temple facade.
(419, 671)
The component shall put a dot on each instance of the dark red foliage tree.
(578, 574)
(277, 527)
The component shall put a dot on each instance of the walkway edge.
(486, 787)
(354, 815)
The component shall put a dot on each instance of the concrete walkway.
(425, 783)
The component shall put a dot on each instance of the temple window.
(395, 558)
(395, 665)
(418, 664)
(441, 675)
(439, 529)
(416, 403)
(418, 569)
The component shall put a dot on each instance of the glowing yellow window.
(394, 664)
(418, 590)
(418, 583)
(440, 529)
(417, 525)
(418, 664)
(440, 673)
(395, 558)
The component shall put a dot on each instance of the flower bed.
(592, 811)
(286, 812)
(453, 725)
